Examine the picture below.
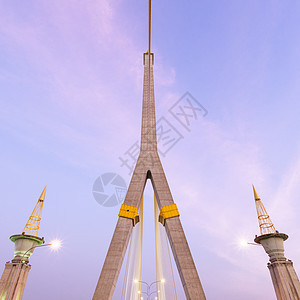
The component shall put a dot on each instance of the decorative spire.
(149, 37)
(265, 224)
(33, 224)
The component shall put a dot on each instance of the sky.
(71, 77)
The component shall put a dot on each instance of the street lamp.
(149, 293)
(55, 245)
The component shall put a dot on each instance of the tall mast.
(150, 4)
(148, 135)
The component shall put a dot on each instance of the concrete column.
(283, 274)
(13, 281)
(14, 277)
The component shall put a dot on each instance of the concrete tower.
(14, 277)
(147, 167)
(284, 277)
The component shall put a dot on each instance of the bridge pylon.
(149, 166)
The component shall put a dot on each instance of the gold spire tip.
(42, 197)
(256, 197)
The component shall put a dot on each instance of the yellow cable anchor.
(129, 212)
(168, 211)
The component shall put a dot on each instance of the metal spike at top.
(42, 197)
(33, 224)
(256, 197)
(264, 221)
(148, 134)
(149, 26)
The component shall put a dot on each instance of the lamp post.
(149, 293)
(54, 245)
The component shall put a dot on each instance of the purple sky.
(71, 94)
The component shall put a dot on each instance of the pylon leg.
(180, 248)
(117, 249)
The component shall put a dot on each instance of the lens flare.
(244, 243)
(56, 244)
